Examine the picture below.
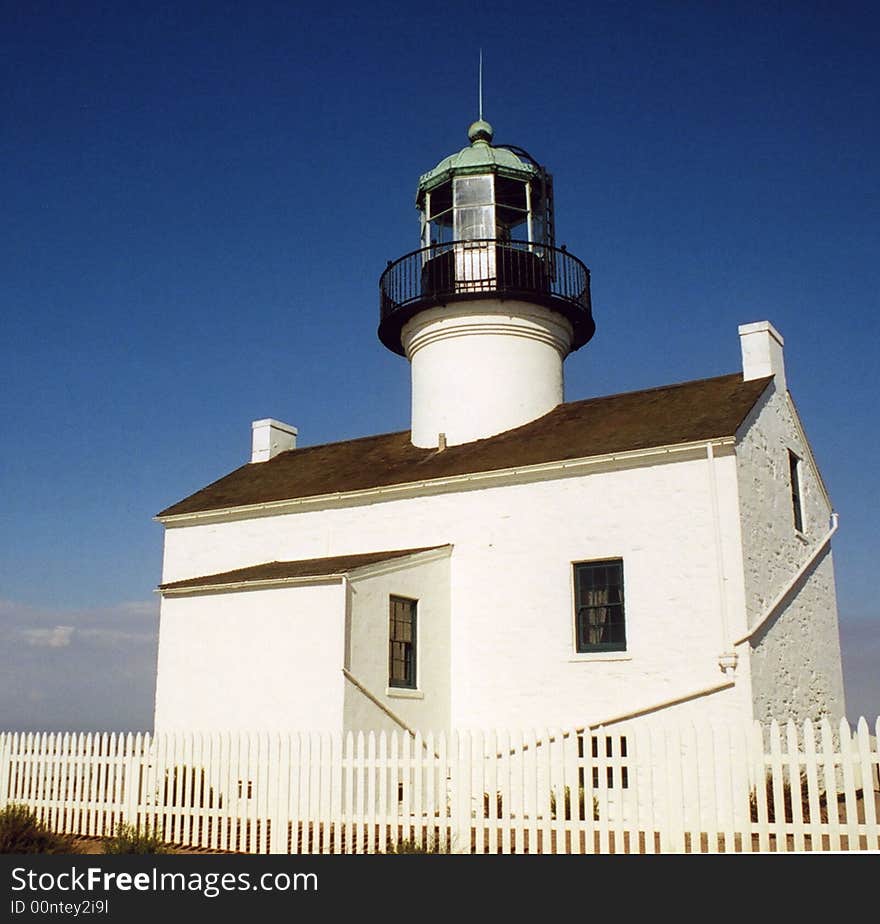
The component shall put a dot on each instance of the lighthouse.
(488, 308)
(514, 560)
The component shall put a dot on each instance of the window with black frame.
(402, 643)
(794, 473)
(599, 612)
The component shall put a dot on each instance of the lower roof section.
(281, 572)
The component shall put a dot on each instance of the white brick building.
(513, 560)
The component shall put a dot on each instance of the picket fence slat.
(869, 772)
(627, 788)
(777, 822)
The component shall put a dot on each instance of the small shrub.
(567, 805)
(128, 839)
(787, 810)
(426, 845)
(21, 831)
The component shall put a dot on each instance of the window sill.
(600, 656)
(403, 693)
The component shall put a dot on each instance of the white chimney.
(762, 352)
(271, 437)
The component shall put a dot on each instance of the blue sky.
(198, 200)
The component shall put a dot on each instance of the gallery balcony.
(458, 271)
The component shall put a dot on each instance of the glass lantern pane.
(440, 232)
(512, 224)
(440, 200)
(474, 223)
(510, 192)
(473, 190)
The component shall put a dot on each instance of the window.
(608, 752)
(474, 211)
(794, 471)
(438, 215)
(598, 600)
(402, 644)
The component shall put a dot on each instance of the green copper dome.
(479, 157)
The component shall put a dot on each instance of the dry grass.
(95, 845)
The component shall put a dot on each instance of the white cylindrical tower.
(487, 310)
(480, 370)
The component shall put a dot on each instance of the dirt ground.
(95, 845)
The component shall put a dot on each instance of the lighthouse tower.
(488, 308)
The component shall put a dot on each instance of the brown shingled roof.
(665, 416)
(281, 570)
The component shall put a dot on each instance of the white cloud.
(59, 637)
(78, 669)
(130, 622)
(137, 615)
(115, 636)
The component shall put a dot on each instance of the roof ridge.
(667, 414)
(355, 439)
(564, 404)
(652, 388)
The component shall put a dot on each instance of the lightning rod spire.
(481, 84)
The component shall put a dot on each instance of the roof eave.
(564, 468)
(393, 562)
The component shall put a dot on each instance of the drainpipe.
(727, 659)
(346, 634)
(377, 702)
(637, 713)
(777, 602)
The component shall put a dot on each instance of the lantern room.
(486, 193)
(487, 231)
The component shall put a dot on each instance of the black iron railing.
(487, 268)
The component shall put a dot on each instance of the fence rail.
(636, 788)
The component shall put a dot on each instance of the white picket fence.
(639, 788)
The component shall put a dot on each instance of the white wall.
(512, 646)
(795, 661)
(252, 660)
(426, 707)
